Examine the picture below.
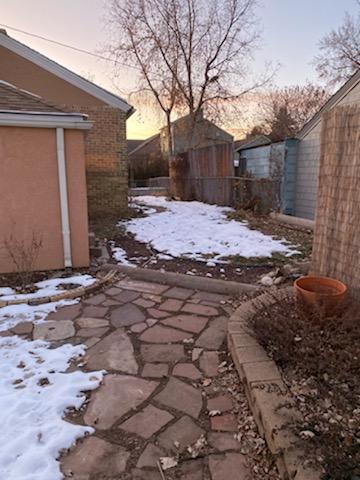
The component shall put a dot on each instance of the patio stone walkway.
(161, 347)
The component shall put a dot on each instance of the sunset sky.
(291, 31)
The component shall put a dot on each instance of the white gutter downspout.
(65, 224)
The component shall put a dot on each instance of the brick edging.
(269, 398)
(66, 295)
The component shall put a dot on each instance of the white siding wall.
(308, 163)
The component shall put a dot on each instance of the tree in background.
(339, 56)
(193, 56)
(285, 111)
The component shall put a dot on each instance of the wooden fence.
(337, 228)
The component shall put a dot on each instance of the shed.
(42, 182)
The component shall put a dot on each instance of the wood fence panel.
(337, 228)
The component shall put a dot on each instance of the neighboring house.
(42, 183)
(150, 159)
(309, 148)
(262, 159)
(132, 144)
(106, 147)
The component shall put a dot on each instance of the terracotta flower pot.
(325, 291)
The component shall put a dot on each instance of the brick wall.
(106, 161)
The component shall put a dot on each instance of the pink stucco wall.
(30, 199)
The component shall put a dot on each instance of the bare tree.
(339, 56)
(285, 111)
(193, 56)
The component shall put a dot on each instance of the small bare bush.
(24, 255)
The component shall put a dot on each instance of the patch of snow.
(164, 256)
(120, 256)
(33, 431)
(200, 232)
(14, 314)
(47, 288)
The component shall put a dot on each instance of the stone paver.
(150, 456)
(22, 328)
(192, 470)
(95, 311)
(222, 403)
(147, 422)
(66, 313)
(155, 370)
(118, 395)
(189, 323)
(162, 353)
(142, 302)
(182, 397)
(200, 310)
(179, 293)
(85, 322)
(171, 305)
(183, 433)
(224, 423)
(54, 330)
(186, 370)
(126, 315)
(223, 441)
(228, 466)
(92, 332)
(139, 327)
(143, 287)
(214, 335)
(95, 457)
(155, 313)
(96, 299)
(114, 352)
(126, 296)
(159, 334)
(209, 362)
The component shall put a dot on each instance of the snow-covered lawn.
(35, 393)
(14, 314)
(200, 232)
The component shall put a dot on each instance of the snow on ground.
(120, 256)
(199, 231)
(33, 431)
(14, 314)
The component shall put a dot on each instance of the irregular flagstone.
(182, 397)
(137, 474)
(126, 315)
(86, 322)
(94, 457)
(224, 423)
(66, 313)
(147, 422)
(90, 342)
(142, 302)
(184, 431)
(209, 362)
(171, 305)
(162, 353)
(139, 327)
(96, 299)
(150, 456)
(228, 466)
(186, 370)
(116, 396)
(151, 321)
(92, 332)
(195, 354)
(114, 352)
(159, 334)
(143, 287)
(222, 403)
(178, 292)
(154, 312)
(210, 297)
(223, 441)
(200, 309)
(192, 470)
(95, 311)
(54, 330)
(126, 296)
(23, 328)
(155, 370)
(214, 335)
(189, 323)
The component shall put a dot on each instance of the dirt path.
(170, 391)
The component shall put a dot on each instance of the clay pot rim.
(340, 286)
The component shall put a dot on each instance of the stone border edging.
(66, 295)
(268, 396)
(192, 282)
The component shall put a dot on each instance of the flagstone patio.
(161, 347)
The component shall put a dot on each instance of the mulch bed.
(319, 356)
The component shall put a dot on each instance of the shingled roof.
(15, 99)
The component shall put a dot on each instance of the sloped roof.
(55, 68)
(16, 99)
(132, 144)
(144, 143)
(258, 141)
(332, 102)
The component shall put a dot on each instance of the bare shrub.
(319, 356)
(24, 255)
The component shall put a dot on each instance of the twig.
(161, 470)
